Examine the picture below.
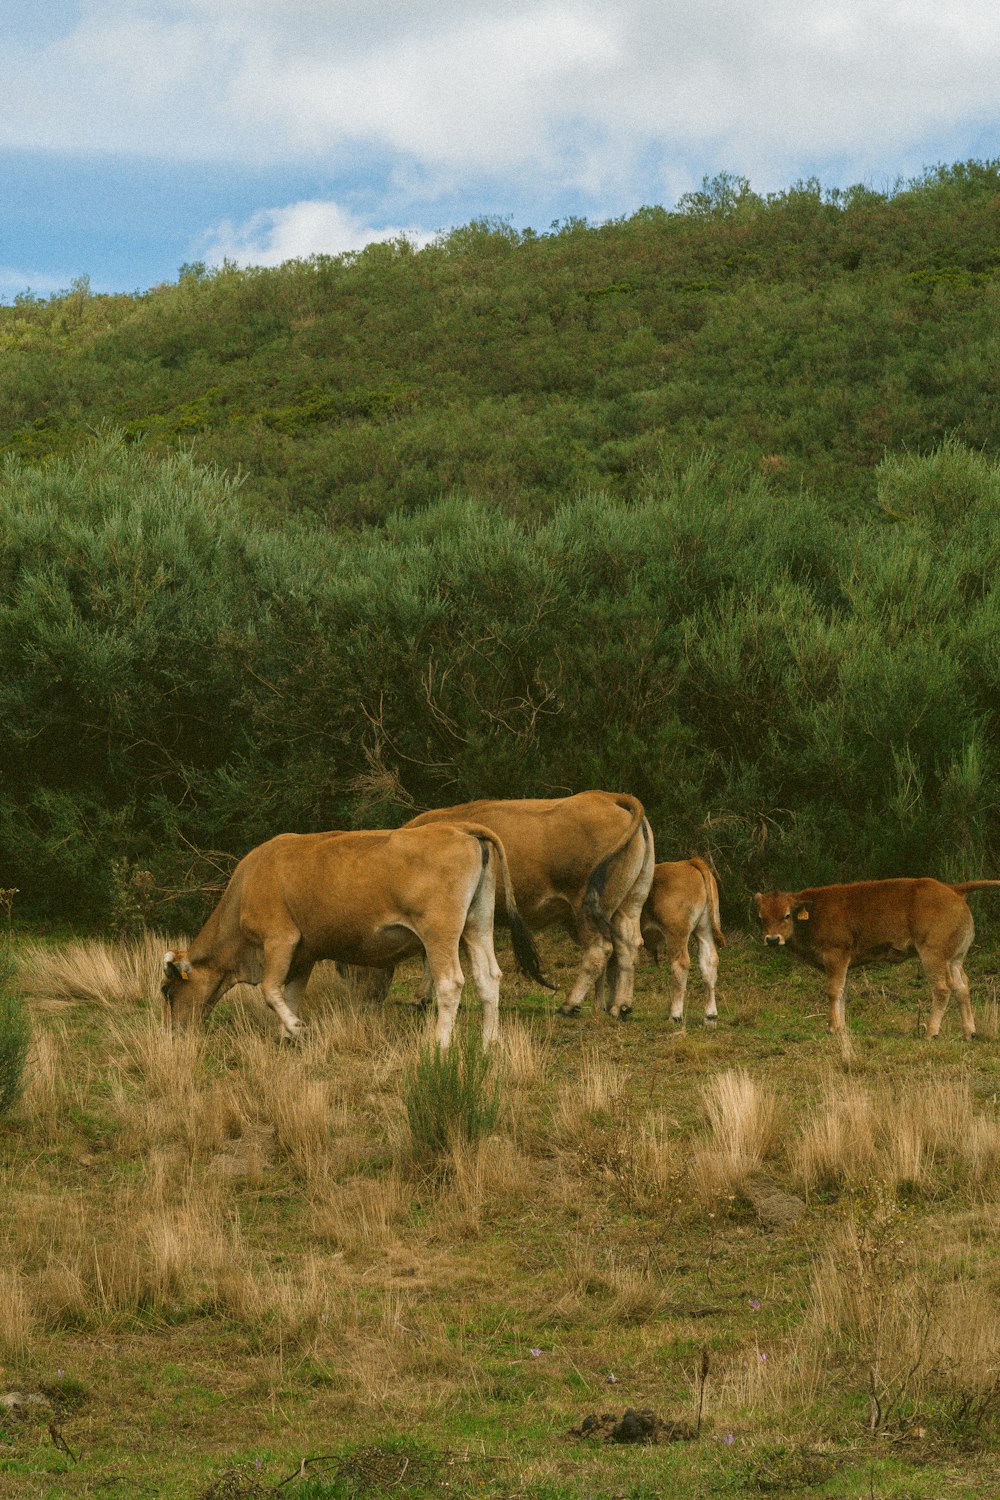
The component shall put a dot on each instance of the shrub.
(451, 1096)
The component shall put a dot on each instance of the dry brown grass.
(92, 972)
(480, 1180)
(915, 1328)
(362, 1214)
(56, 1081)
(627, 1288)
(162, 1091)
(921, 1134)
(744, 1121)
(596, 1096)
(16, 1319)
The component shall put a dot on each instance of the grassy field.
(227, 1271)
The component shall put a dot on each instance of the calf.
(682, 900)
(871, 921)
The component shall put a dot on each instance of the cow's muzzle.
(774, 940)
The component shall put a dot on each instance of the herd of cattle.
(585, 862)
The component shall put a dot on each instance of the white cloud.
(570, 92)
(295, 232)
(13, 282)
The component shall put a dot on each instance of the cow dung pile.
(633, 1426)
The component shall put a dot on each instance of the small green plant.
(451, 1096)
(14, 1035)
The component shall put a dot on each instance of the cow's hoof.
(569, 1010)
(677, 1021)
(972, 1037)
(624, 1013)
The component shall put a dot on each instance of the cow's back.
(553, 844)
(868, 916)
(337, 888)
(677, 896)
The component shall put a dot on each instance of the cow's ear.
(175, 965)
(803, 911)
(758, 896)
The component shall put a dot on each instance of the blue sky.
(136, 135)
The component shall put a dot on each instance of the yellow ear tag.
(184, 976)
(802, 915)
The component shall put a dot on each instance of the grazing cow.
(871, 921)
(584, 861)
(361, 898)
(682, 900)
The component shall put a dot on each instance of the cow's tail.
(592, 901)
(526, 954)
(966, 886)
(712, 892)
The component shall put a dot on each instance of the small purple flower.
(729, 1440)
(762, 1357)
(612, 1378)
(258, 1465)
(534, 1353)
(60, 1374)
(755, 1304)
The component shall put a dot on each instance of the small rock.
(25, 1401)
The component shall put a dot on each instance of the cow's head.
(780, 914)
(187, 989)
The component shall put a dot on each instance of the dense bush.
(803, 698)
(452, 1097)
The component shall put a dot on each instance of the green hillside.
(699, 504)
(809, 333)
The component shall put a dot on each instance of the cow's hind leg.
(626, 928)
(708, 963)
(279, 959)
(448, 979)
(597, 949)
(960, 984)
(938, 974)
(680, 967)
(478, 950)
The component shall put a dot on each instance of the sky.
(140, 135)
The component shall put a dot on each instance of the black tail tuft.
(526, 953)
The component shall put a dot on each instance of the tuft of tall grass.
(451, 1096)
(921, 1136)
(111, 976)
(744, 1119)
(16, 1321)
(361, 1214)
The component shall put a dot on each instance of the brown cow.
(871, 921)
(684, 899)
(584, 861)
(362, 898)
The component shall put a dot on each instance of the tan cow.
(585, 862)
(362, 898)
(684, 899)
(871, 921)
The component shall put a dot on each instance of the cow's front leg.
(278, 957)
(836, 988)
